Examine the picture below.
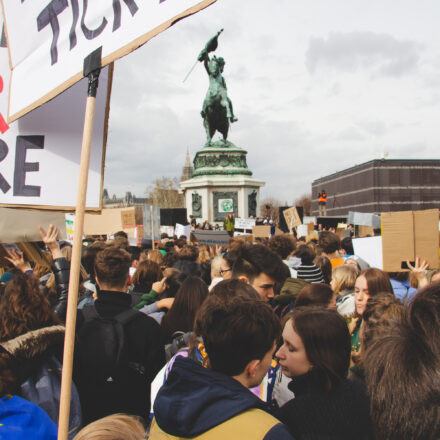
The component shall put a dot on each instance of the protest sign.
(151, 221)
(302, 230)
(212, 237)
(292, 217)
(183, 230)
(407, 235)
(49, 40)
(309, 219)
(40, 154)
(111, 220)
(244, 223)
(261, 231)
(70, 227)
(31, 251)
(370, 250)
(363, 219)
(169, 230)
(22, 225)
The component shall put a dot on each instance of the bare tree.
(306, 202)
(269, 206)
(165, 194)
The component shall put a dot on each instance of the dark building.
(381, 186)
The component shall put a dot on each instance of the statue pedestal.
(221, 183)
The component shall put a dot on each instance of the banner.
(183, 230)
(49, 40)
(40, 154)
(212, 237)
(363, 219)
(244, 223)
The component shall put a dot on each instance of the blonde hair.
(156, 256)
(114, 427)
(344, 277)
(204, 254)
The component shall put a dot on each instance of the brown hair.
(156, 256)
(236, 332)
(283, 245)
(233, 288)
(344, 277)
(112, 266)
(324, 264)
(147, 273)
(189, 252)
(317, 294)
(329, 242)
(327, 342)
(377, 281)
(89, 256)
(204, 254)
(23, 308)
(114, 427)
(190, 296)
(402, 371)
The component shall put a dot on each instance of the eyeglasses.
(222, 271)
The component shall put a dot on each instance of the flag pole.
(92, 67)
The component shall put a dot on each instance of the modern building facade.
(381, 186)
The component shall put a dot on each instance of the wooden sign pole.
(92, 66)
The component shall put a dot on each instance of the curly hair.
(23, 308)
(283, 245)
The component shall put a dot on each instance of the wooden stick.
(72, 301)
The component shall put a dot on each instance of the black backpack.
(101, 348)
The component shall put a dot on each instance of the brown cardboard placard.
(407, 235)
(292, 217)
(261, 231)
(365, 231)
(110, 220)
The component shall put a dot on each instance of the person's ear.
(97, 282)
(251, 368)
(244, 278)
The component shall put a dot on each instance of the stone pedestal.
(221, 183)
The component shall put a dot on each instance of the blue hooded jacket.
(23, 420)
(194, 400)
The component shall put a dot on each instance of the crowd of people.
(279, 339)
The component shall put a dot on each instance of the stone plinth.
(221, 183)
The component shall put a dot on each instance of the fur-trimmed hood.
(27, 352)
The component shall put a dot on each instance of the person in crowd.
(240, 337)
(229, 224)
(284, 246)
(347, 252)
(308, 270)
(153, 255)
(401, 286)
(322, 203)
(114, 427)
(187, 260)
(325, 266)
(316, 354)
(31, 345)
(402, 372)
(330, 245)
(260, 267)
(109, 382)
(147, 273)
(368, 284)
(382, 313)
(319, 295)
(216, 276)
(353, 262)
(182, 308)
(343, 281)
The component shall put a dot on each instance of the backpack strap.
(126, 316)
(89, 312)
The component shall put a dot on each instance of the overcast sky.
(317, 86)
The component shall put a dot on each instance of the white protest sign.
(244, 223)
(169, 230)
(40, 153)
(302, 230)
(212, 237)
(49, 40)
(183, 230)
(370, 250)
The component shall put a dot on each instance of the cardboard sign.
(212, 237)
(183, 230)
(110, 221)
(244, 223)
(40, 154)
(407, 235)
(309, 219)
(364, 231)
(22, 225)
(151, 215)
(370, 250)
(363, 219)
(292, 217)
(302, 230)
(49, 40)
(31, 252)
(261, 231)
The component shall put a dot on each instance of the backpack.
(101, 346)
(44, 387)
(179, 340)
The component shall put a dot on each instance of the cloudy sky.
(318, 86)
